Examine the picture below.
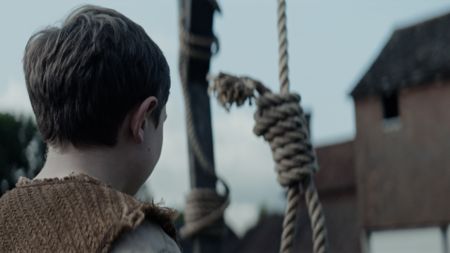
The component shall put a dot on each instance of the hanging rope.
(204, 206)
(292, 148)
(283, 66)
(281, 121)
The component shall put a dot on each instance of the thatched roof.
(415, 55)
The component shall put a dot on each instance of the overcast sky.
(331, 43)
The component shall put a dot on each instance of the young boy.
(98, 86)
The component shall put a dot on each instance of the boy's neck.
(108, 165)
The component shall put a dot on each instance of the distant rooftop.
(415, 55)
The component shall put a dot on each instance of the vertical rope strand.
(290, 220)
(293, 198)
(317, 218)
(283, 48)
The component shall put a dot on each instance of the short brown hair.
(85, 76)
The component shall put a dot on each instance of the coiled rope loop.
(204, 207)
(280, 120)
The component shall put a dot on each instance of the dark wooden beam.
(198, 20)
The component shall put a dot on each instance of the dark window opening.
(390, 105)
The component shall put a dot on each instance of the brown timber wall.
(403, 174)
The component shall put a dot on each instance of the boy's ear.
(139, 117)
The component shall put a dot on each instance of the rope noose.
(280, 119)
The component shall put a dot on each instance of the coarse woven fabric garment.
(73, 214)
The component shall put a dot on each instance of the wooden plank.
(198, 21)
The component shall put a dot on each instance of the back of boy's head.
(84, 77)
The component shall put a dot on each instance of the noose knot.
(280, 119)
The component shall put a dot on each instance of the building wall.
(403, 169)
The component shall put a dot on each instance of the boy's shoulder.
(77, 212)
(148, 237)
